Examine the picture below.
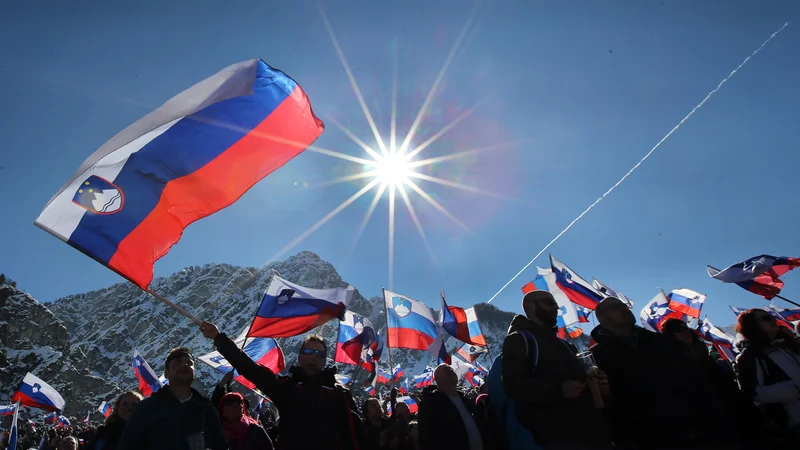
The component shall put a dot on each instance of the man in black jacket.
(446, 415)
(651, 383)
(176, 417)
(543, 375)
(315, 412)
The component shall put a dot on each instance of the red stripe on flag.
(216, 185)
(530, 287)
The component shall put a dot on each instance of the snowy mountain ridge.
(82, 344)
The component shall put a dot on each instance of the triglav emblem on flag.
(284, 296)
(402, 307)
(99, 196)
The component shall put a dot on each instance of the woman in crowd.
(109, 433)
(242, 431)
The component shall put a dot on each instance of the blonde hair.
(114, 416)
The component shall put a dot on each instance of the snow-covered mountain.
(82, 344)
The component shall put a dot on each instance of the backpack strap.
(531, 349)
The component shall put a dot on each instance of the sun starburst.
(392, 168)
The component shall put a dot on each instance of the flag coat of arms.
(35, 393)
(130, 201)
(410, 323)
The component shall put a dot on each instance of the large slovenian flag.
(264, 351)
(105, 409)
(759, 274)
(656, 312)
(410, 323)
(35, 393)
(579, 291)
(686, 301)
(355, 334)
(13, 433)
(288, 309)
(462, 324)
(546, 281)
(148, 381)
(129, 203)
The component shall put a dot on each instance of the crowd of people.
(634, 390)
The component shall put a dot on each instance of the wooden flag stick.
(182, 311)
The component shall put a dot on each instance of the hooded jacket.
(314, 413)
(770, 375)
(536, 388)
(162, 422)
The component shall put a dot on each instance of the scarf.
(236, 431)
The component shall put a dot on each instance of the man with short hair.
(315, 411)
(446, 415)
(547, 381)
(176, 417)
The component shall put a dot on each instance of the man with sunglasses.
(315, 411)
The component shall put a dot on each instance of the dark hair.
(672, 326)
(315, 338)
(177, 353)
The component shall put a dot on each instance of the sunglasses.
(311, 351)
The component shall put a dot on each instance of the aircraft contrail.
(673, 130)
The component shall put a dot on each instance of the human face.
(546, 310)
(126, 406)
(446, 378)
(232, 410)
(180, 370)
(618, 316)
(312, 358)
(374, 410)
(403, 412)
(767, 324)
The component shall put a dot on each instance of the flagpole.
(182, 311)
(388, 346)
(787, 300)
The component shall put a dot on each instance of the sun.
(393, 169)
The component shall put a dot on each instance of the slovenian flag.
(344, 380)
(13, 433)
(410, 323)
(546, 281)
(288, 309)
(384, 377)
(356, 333)
(105, 409)
(263, 351)
(35, 393)
(579, 291)
(778, 318)
(424, 379)
(50, 418)
(656, 312)
(471, 352)
(129, 203)
(403, 386)
(371, 391)
(148, 381)
(461, 323)
(608, 291)
(7, 410)
(720, 340)
(583, 313)
(790, 314)
(410, 402)
(438, 350)
(759, 274)
(686, 301)
(398, 373)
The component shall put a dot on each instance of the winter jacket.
(536, 388)
(315, 413)
(770, 375)
(440, 423)
(162, 422)
(107, 436)
(651, 383)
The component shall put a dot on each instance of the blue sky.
(589, 87)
